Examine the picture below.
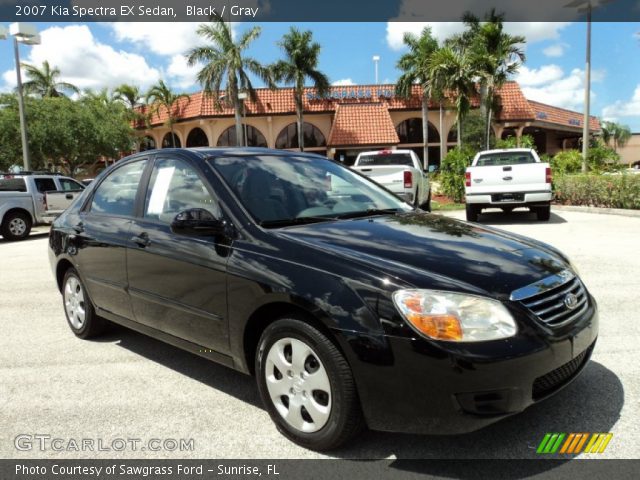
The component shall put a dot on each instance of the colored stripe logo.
(574, 443)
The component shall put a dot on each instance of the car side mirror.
(197, 222)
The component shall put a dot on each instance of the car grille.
(551, 306)
(552, 381)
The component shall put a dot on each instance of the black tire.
(344, 419)
(543, 213)
(416, 201)
(472, 213)
(91, 325)
(426, 206)
(16, 226)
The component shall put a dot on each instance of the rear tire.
(81, 316)
(543, 213)
(426, 206)
(16, 226)
(307, 386)
(472, 213)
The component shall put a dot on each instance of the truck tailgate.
(511, 178)
(389, 176)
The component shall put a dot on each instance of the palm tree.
(415, 67)
(496, 55)
(44, 82)
(452, 71)
(301, 63)
(225, 60)
(161, 96)
(620, 134)
(130, 95)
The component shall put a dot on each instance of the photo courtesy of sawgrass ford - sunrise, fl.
(391, 239)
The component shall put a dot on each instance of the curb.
(602, 211)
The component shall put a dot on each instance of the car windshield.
(289, 190)
(504, 158)
(381, 159)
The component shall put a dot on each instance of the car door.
(102, 236)
(177, 282)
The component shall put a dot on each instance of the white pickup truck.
(28, 199)
(400, 171)
(508, 179)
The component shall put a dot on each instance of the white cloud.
(161, 38)
(532, 31)
(627, 108)
(549, 84)
(85, 62)
(180, 74)
(345, 82)
(555, 50)
(529, 77)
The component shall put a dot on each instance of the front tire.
(81, 316)
(16, 226)
(307, 386)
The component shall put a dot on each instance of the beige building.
(630, 153)
(352, 119)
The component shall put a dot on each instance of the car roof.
(205, 152)
(503, 150)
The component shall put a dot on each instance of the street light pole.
(23, 121)
(587, 94)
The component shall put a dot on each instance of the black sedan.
(350, 307)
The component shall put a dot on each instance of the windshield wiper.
(368, 213)
(287, 222)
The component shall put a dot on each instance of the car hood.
(432, 251)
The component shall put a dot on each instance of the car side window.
(45, 185)
(116, 195)
(174, 187)
(68, 185)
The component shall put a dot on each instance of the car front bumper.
(423, 389)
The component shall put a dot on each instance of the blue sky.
(93, 55)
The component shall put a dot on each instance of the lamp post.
(243, 96)
(27, 34)
(376, 59)
(586, 6)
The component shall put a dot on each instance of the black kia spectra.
(350, 307)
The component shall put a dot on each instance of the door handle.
(141, 240)
(507, 178)
(69, 196)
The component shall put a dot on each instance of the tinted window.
(174, 187)
(12, 185)
(505, 158)
(385, 159)
(69, 185)
(45, 184)
(116, 195)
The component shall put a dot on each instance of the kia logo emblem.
(571, 301)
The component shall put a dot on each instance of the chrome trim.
(542, 286)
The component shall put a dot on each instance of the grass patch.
(442, 207)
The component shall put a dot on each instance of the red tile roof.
(568, 118)
(362, 124)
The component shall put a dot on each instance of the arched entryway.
(410, 134)
(197, 138)
(147, 143)
(255, 138)
(167, 143)
(314, 139)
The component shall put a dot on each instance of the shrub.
(608, 191)
(569, 161)
(526, 141)
(452, 173)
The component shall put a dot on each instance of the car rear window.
(505, 158)
(382, 159)
(12, 185)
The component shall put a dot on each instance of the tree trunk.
(300, 128)
(238, 118)
(425, 130)
(489, 111)
(484, 93)
(173, 135)
(459, 122)
(489, 114)
(443, 140)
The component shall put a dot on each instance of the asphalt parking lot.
(125, 385)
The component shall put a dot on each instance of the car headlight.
(454, 316)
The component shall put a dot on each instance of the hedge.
(608, 191)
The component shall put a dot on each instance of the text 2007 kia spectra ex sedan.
(350, 307)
